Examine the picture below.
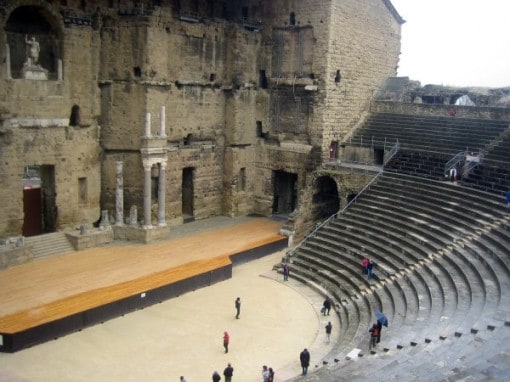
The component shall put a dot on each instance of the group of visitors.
(267, 374)
(228, 372)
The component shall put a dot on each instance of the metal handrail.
(391, 153)
(459, 157)
(469, 165)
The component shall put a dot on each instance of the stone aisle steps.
(49, 244)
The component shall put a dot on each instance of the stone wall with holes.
(36, 114)
(74, 156)
(249, 87)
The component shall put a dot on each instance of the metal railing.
(371, 141)
(459, 157)
(391, 153)
(472, 161)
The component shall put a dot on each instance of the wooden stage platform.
(45, 299)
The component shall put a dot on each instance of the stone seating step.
(49, 244)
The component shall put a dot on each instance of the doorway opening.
(187, 195)
(379, 156)
(326, 201)
(284, 192)
(39, 200)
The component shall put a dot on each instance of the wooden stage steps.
(48, 298)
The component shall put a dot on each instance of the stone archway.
(326, 200)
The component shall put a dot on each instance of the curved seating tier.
(428, 133)
(442, 276)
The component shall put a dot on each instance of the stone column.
(104, 223)
(8, 74)
(148, 125)
(162, 194)
(147, 194)
(162, 129)
(119, 195)
(59, 70)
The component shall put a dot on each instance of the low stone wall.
(15, 256)
(140, 234)
(440, 110)
(90, 239)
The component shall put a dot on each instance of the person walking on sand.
(265, 374)
(238, 307)
(271, 375)
(304, 358)
(226, 341)
(228, 373)
(216, 377)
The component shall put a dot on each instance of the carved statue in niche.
(31, 68)
(33, 50)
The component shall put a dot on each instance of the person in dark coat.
(238, 307)
(370, 268)
(304, 358)
(326, 306)
(379, 330)
(329, 328)
(271, 375)
(228, 373)
(374, 333)
(216, 377)
(286, 272)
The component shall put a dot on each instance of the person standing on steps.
(379, 330)
(226, 341)
(370, 269)
(364, 265)
(374, 333)
(304, 358)
(286, 272)
(238, 307)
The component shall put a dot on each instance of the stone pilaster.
(147, 196)
(119, 194)
(162, 194)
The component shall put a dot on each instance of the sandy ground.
(183, 336)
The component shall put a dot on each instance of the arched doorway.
(326, 201)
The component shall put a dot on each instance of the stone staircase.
(49, 244)
(442, 278)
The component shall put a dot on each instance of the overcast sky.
(455, 42)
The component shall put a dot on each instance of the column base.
(144, 234)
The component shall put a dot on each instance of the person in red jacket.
(226, 341)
